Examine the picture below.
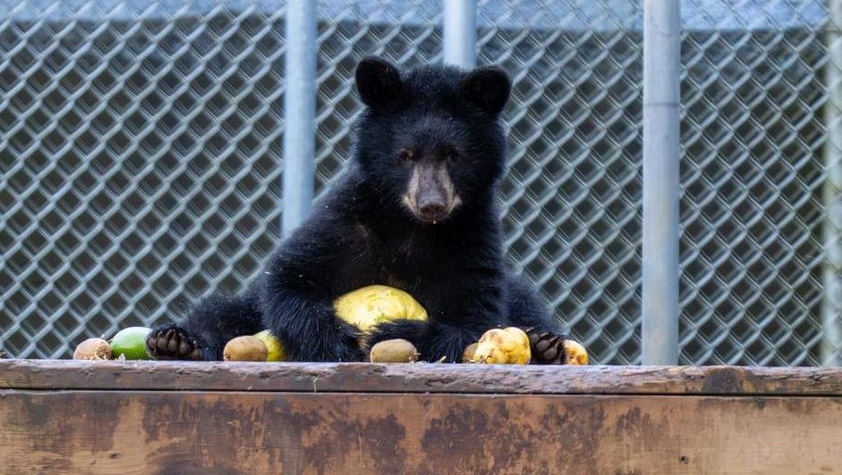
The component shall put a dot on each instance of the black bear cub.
(415, 209)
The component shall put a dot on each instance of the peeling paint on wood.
(331, 434)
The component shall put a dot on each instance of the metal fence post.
(661, 156)
(460, 32)
(299, 113)
(831, 348)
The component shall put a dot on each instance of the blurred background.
(141, 161)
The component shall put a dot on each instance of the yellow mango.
(275, 351)
(365, 308)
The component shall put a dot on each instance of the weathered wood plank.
(116, 432)
(417, 378)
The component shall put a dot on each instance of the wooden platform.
(76, 418)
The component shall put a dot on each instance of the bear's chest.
(417, 258)
(414, 260)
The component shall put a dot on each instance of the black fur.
(363, 231)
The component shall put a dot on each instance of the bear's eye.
(406, 155)
(451, 156)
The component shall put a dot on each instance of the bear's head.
(431, 139)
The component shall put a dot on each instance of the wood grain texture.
(203, 433)
(417, 378)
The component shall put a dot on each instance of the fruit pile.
(364, 308)
(127, 344)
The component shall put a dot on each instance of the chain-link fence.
(141, 160)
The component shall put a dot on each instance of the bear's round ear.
(488, 88)
(378, 82)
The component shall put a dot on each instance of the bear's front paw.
(552, 348)
(170, 342)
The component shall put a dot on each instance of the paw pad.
(172, 343)
(550, 348)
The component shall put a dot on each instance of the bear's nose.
(432, 210)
